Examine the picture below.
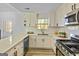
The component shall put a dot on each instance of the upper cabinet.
(52, 19)
(30, 19)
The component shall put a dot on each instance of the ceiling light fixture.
(27, 8)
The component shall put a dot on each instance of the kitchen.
(38, 29)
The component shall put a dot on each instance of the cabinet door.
(30, 18)
(40, 42)
(47, 43)
(27, 18)
(19, 48)
(32, 41)
(33, 19)
(10, 52)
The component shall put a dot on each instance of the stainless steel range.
(68, 47)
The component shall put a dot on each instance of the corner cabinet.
(16, 50)
(20, 49)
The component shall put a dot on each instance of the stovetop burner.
(70, 42)
(75, 50)
(70, 45)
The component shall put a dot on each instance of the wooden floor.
(40, 52)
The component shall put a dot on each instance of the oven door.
(72, 19)
(78, 16)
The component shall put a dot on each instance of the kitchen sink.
(42, 34)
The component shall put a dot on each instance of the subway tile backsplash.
(73, 29)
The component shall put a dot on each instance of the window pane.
(46, 26)
(38, 26)
(42, 24)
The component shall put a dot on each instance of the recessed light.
(27, 8)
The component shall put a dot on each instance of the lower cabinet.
(39, 41)
(16, 50)
(44, 41)
(10, 52)
(20, 48)
(32, 41)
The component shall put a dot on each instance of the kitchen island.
(13, 45)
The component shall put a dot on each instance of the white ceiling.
(36, 7)
(5, 7)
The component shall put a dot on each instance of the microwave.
(72, 18)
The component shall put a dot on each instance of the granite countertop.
(11, 41)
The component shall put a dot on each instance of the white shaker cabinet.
(32, 41)
(40, 41)
(33, 21)
(30, 18)
(10, 52)
(16, 50)
(47, 43)
(43, 41)
(20, 48)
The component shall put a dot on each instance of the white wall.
(7, 12)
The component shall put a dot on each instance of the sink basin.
(30, 32)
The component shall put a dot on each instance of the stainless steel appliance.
(26, 44)
(72, 17)
(68, 47)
